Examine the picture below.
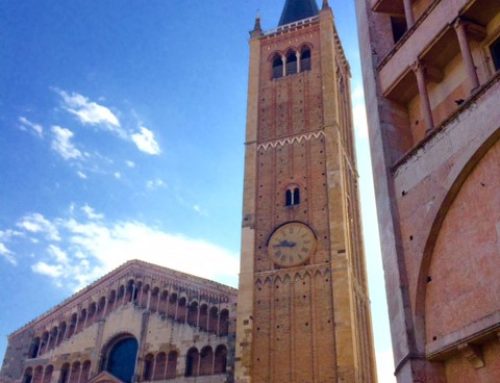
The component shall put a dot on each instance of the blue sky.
(122, 137)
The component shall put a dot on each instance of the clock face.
(291, 244)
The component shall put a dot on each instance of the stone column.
(297, 54)
(148, 305)
(466, 53)
(410, 20)
(283, 59)
(134, 289)
(425, 105)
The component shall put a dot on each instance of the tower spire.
(295, 10)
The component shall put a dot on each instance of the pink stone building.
(431, 71)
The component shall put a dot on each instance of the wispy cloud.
(81, 174)
(91, 213)
(61, 143)
(27, 124)
(146, 142)
(92, 246)
(90, 112)
(36, 223)
(7, 254)
(199, 210)
(43, 268)
(157, 183)
(130, 164)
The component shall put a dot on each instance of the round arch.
(435, 231)
(119, 357)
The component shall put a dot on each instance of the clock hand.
(285, 243)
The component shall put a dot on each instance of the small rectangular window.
(495, 53)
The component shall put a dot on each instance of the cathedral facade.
(141, 322)
(432, 87)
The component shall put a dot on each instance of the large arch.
(119, 357)
(460, 191)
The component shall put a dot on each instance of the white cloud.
(37, 223)
(91, 213)
(53, 271)
(7, 254)
(146, 142)
(92, 247)
(58, 254)
(82, 175)
(117, 175)
(199, 210)
(89, 112)
(62, 144)
(156, 184)
(36, 128)
(130, 164)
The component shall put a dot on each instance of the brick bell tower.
(303, 306)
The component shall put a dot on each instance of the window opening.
(305, 60)
(291, 63)
(495, 53)
(192, 362)
(399, 28)
(121, 359)
(148, 367)
(172, 365)
(277, 67)
(292, 196)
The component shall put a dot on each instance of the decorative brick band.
(291, 140)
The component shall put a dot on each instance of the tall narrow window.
(193, 314)
(305, 59)
(64, 374)
(75, 373)
(147, 373)
(35, 345)
(213, 319)
(192, 358)
(220, 360)
(399, 27)
(181, 310)
(160, 366)
(495, 53)
(47, 375)
(62, 332)
(172, 365)
(206, 361)
(288, 198)
(277, 67)
(28, 375)
(291, 63)
(85, 372)
(203, 317)
(292, 196)
(224, 322)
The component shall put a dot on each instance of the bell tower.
(303, 305)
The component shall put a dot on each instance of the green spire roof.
(296, 10)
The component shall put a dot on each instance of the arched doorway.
(120, 356)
